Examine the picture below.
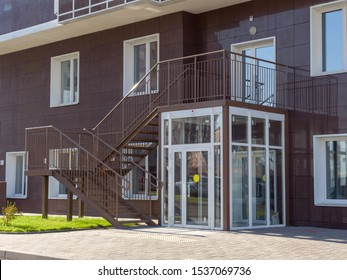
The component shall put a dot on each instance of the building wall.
(289, 22)
(20, 14)
(25, 84)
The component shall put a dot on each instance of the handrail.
(221, 74)
(77, 146)
(48, 148)
(113, 150)
(178, 59)
(102, 166)
(93, 8)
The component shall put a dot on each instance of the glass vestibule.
(257, 161)
(191, 171)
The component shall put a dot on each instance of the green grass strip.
(53, 223)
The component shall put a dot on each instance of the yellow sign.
(196, 178)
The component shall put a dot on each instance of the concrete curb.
(10, 255)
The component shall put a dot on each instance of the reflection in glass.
(258, 75)
(332, 45)
(247, 88)
(192, 130)
(276, 179)
(142, 185)
(166, 132)
(19, 174)
(240, 217)
(264, 85)
(336, 155)
(259, 186)
(75, 81)
(65, 82)
(239, 129)
(217, 187)
(275, 133)
(197, 188)
(258, 131)
(153, 61)
(217, 128)
(178, 188)
(139, 62)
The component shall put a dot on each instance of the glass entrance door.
(190, 194)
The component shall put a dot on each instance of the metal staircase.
(107, 169)
(85, 175)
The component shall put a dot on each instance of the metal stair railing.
(218, 75)
(123, 164)
(48, 149)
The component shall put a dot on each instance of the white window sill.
(332, 203)
(64, 104)
(17, 197)
(61, 198)
(317, 74)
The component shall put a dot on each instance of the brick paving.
(287, 243)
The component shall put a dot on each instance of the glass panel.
(217, 128)
(239, 129)
(275, 133)
(139, 62)
(178, 188)
(65, 82)
(332, 45)
(336, 170)
(75, 80)
(138, 179)
(166, 132)
(264, 82)
(247, 75)
(258, 131)
(259, 186)
(62, 189)
(165, 186)
(153, 61)
(240, 201)
(152, 168)
(191, 130)
(197, 188)
(276, 187)
(217, 187)
(19, 175)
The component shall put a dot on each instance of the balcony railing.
(219, 75)
(72, 9)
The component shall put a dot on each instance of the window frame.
(146, 167)
(316, 36)
(320, 170)
(69, 158)
(55, 90)
(128, 59)
(253, 81)
(11, 176)
(54, 189)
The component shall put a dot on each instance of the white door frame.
(184, 149)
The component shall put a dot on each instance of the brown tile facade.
(25, 84)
